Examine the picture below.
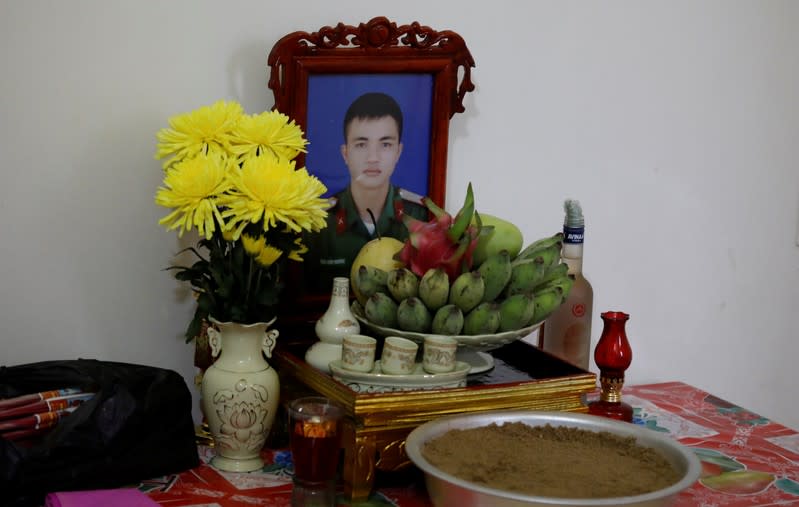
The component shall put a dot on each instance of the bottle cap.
(574, 214)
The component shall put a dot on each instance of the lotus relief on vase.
(243, 413)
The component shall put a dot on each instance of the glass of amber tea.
(315, 441)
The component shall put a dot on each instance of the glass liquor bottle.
(567, 332)
(613, 356)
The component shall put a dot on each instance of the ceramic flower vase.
(240, 393)
(331, 328)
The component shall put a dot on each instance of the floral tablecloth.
(747, 460)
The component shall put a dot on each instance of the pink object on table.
(99, 498)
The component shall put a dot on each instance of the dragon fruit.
(443, 242)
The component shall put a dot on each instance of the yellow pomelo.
(378, 253)
(505, 236)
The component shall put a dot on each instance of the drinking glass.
(315, 441)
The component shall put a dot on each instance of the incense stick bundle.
(33, 422)
(46, 405)
(32, 398)
(24, 434)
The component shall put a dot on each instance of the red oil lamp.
(613, 356)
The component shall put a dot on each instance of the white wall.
(674, 123)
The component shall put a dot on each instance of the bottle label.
(573, 235)
(578, 310)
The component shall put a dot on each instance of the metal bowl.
(447, 490)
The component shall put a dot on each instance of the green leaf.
(239, 256)
(201, 265)
(188, 275)
(191, 249)
(268, 296)
(218, 277)
(194, 326)
(228, 284)
(238, 314)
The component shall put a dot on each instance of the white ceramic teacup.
(399, 356)
(358, 352)
(439, 353)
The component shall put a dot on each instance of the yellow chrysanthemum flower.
(296, 255)
(192, 187)
(270, 133)
(252, 245)
(264, 254)
(206, 129)
(273, 191)
(225, 170)
(268, 256)
(227, 235)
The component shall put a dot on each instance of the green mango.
(503, 236)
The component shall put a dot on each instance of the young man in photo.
(372, 147)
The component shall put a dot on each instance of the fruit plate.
(376, 381)
(480, 342)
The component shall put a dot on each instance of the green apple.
(504, 236)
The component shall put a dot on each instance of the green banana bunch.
(448, 320)
(467, 290)
(525, 275)
(528, 251)
(564, 282)
(496, 272)
(413, 315)
(553, 272)
(367, 281)
(546, 301)
(434, 288)
(549, 255)
(516, 311)
(402, 283)
(381, 310)
(483, 319)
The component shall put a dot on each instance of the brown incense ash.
(553, 461)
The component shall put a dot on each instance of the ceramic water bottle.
(336, 323)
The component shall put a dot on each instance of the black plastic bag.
(137, 426)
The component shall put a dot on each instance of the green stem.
(249, 281)
(258, 281)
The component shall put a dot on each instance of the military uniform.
(333, 249)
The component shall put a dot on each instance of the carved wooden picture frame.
(399, 58)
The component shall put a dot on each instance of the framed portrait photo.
(374, 101)
(330, 96)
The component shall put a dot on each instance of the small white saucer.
(376, 381)
(321, 353)
(478, 361)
